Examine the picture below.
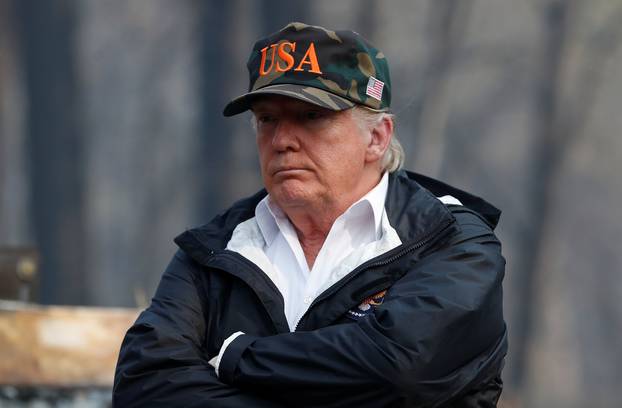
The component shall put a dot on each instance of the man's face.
(309, 156)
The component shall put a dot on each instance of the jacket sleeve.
(162, 362)
(438, 335)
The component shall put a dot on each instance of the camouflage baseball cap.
(331, 69)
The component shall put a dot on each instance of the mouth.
(291, 171)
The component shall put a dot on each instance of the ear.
(379, 141)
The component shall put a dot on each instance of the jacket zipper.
(381, 260)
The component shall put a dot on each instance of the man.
(346, 282)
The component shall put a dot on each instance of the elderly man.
(347, 282)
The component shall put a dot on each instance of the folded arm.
(162, 362)
(439, 333)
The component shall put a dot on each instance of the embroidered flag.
(374, 88)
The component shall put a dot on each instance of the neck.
(312, 228)
(313, 222)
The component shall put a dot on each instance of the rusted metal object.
(60, 346)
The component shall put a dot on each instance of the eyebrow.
(269, 106)
(262, 106)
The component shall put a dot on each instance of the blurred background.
(112, 142)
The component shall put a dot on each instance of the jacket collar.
(490, 213)
(413, 211)
(215, 234)
(411, 204)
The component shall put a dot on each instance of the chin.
(291, 193)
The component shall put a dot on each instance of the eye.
(314, 115)
(265, 118)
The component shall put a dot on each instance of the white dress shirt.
(270, 241)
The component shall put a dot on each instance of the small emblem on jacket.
(367, 306)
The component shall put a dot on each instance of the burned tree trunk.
(55, 145)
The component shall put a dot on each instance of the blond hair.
(367, 118)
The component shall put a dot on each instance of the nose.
(285, 136)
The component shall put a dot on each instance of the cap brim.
(304, 93)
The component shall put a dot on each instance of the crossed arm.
(163, 362)
(439, 333)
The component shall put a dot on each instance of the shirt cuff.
(232, 356)
(216, 360)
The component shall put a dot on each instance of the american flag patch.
(374, 88)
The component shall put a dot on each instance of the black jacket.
(437, 340)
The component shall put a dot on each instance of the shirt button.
(308, 300)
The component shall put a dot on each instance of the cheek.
(344, 156)
(263, 150)
(264, 160)
(339, 167)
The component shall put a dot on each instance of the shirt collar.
(376, 198)
(268, 214)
